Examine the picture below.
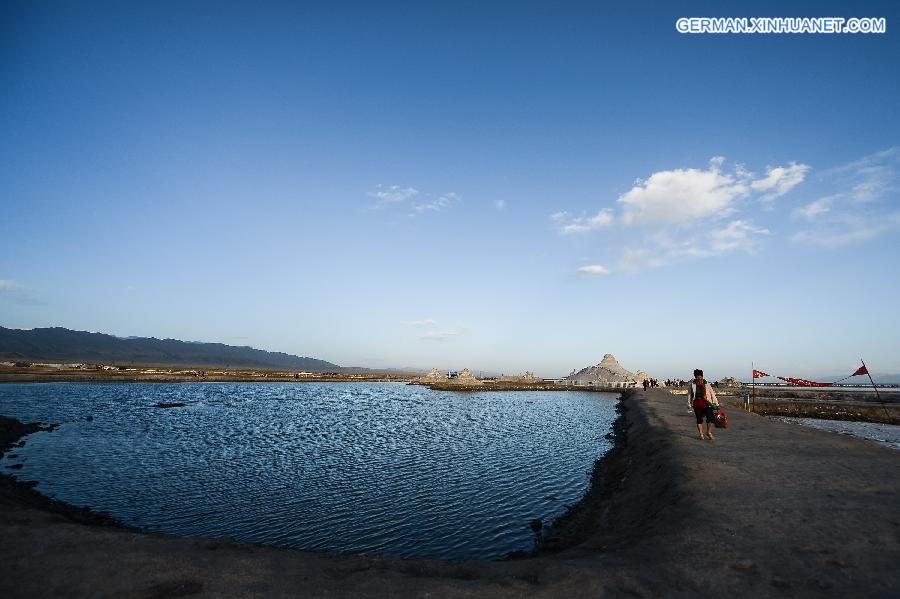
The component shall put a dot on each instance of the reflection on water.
(886, 434)
(346, 467)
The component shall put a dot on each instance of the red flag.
(804, 382)
(758, 374)
(860, 370)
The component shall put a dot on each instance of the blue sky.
(506, 187)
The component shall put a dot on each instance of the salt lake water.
(339, 467)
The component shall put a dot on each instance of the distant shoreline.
(832, 404)
(161, 374)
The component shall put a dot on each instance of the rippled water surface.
(344, 467)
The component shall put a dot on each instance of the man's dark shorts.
(708, 411)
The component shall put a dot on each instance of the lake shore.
(768, 509)
(37, 374)
(489, 385)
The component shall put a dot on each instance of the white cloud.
(593, 269)
(439, 335)
(848, 229)
(392, 194)
(682, 212)
(582, 224)
(861, 206)
(664, 247)
(738, 235)
(634, 260)
(741, 172)
(15, 292)
(434, 334)
(9, 286)
(500, 204)
(691, 213)
(868, 178)
(396, 195)
(436, 205)
(814, 209)
(421, 323)
(682, 195)
(779, 180)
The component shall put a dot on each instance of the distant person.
(645, 384)
(702, 398)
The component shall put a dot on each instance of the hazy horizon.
(409, 185)
(823, 376)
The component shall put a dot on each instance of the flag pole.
(753, 385)
(877, 395)
(870, 379)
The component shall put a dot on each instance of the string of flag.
(759, 374)
(862, 370)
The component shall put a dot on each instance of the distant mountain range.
(58, 344)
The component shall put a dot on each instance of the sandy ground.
(768, 509)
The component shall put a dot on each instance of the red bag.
(721, 420)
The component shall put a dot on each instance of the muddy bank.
(580, 519)
(12, 431)
(767, 510)
(19, 493)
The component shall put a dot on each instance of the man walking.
(702, 398)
